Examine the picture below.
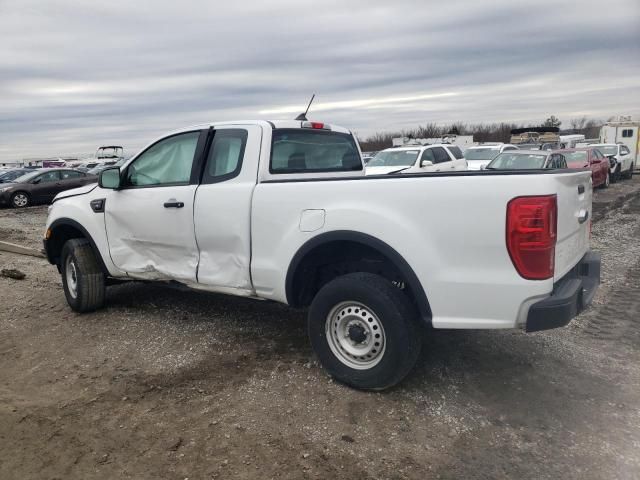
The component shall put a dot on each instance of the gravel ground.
(167, 383)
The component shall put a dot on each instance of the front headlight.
(4, 189)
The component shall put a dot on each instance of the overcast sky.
(77, 74)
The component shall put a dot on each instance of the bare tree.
(552, 121)
(577, 124)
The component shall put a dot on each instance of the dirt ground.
(166, 383)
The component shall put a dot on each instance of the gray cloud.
(76, 74)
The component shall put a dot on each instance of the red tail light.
(531, 235)
(316, 125)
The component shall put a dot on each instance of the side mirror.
(426, 163)
(110, 178)
(36, 181)
(482, 167)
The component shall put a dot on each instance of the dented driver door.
(149, 220)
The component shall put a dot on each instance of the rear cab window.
(297, 150)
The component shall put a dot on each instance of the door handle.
(583, 216)
(173, 204)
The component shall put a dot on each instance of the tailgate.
(574, 220)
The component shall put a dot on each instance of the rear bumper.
(571, 294)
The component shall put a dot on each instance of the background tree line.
(482, 132)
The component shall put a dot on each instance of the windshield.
(517, 161)
(576, 158)
(27, 176)
(11, 175)
(480, 153)
(611, 150)
(394, 158)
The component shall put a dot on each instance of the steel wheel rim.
(72, 277)
(355, 335)
(607, 180)
(20, 200)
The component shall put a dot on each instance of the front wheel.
(629, 174)
(82, 277)
(615, 177)
(20, 200)
(364, 331)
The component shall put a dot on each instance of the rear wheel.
(20, 200)
(82, 277)
(364, 331)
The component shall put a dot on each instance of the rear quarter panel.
(450, 229)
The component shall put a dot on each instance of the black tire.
(89, 291)
(616, 174)
(629, 174)
(20, 200)
(391, 309)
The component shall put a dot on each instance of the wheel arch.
(64, 229)
(307, 255)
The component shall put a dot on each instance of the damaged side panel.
(150, 240)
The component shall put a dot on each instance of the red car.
(592, 158)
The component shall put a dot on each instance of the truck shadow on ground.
(511, 376)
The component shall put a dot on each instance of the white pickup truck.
(283, 211)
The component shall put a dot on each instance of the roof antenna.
(303, 116)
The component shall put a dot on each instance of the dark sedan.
(40, 186)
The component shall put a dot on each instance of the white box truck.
(624, 131)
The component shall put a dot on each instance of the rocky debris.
(12, 273)
(175, 445)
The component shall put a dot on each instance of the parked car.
(479, 156)
(418, 159)
(624, 165)
(589, 158)
(527, 160)
(7, 176)
(40, 186)
(302, 225)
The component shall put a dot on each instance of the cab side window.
(440, 155)
(167, 162)
(428, 155)
(225, 155)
